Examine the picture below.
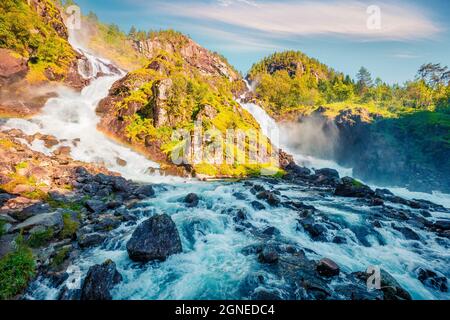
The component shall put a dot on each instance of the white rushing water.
(281, 136)
(212, 265)
(72, 119)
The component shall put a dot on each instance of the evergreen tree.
(133, 32)
(364, 78)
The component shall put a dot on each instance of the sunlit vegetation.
(190, 92)
(108, 41)
(30, 36)
(17, 268)
(292, 81)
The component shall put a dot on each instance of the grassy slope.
(26, 34)
(190, 93)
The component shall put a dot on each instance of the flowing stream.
(213, 265)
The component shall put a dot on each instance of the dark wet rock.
(239, 196)
(154, 239)
(111, 205)
(408, 233)
(377, 224)
(144, 192)
(328, 268)
(390, 287)
(326, 177)
(57, 278)
(432, 280)
(269, 197)
(339, 240)
(266, 295)
(376, 202)
(49, 220)
(383, 192)
(4, 197)
(425, 213)
(120, 184)
(297, 170)
(258, 205)
(7, 244)
(107, 224)
(349, 187)
(316, 231)
(30, 211)
(91, 188)
(363, 233)
(252, 249)
(268, 255)
(396, 214)
(91, 239)
(257, 189)
(191, 200)
(442, 225)
(358, 292)
(99, 281)
(239, 215)
(270, 232)
(250, 283)
(96, 206)
(329, 173)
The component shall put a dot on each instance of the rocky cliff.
(34, 51)
(182, 83)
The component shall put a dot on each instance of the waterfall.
(72, 119)
(280, 135)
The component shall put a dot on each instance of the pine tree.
(133, 32)
(364, 80)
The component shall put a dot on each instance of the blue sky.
(408, 33)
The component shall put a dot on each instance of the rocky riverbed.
(310, 235)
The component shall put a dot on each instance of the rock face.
(197, 56)
(12, 69)
(154, 239)
(328, 268)
(432, 280)
(24, 90)
(144, 108)
(349, 187)
(99, 281)
(191, 200)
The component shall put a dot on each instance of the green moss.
(29, 35)
(76, 206)
(292, 83)
(22, 165)
(70, 226)
(357, 183)
(40, 238)
(7, 144)
(60, 256)
(2, 228)
(16, 270)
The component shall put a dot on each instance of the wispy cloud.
(235, 41)
(405, 56)
(399, 21)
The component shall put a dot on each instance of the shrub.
(16, 270)
(70, 226)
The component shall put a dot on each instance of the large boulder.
(99, 281)
(349, 187)
(269, 197)
(154, 239)
(49, 220)
(432, 280)
(191, 200)
(328, 268)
